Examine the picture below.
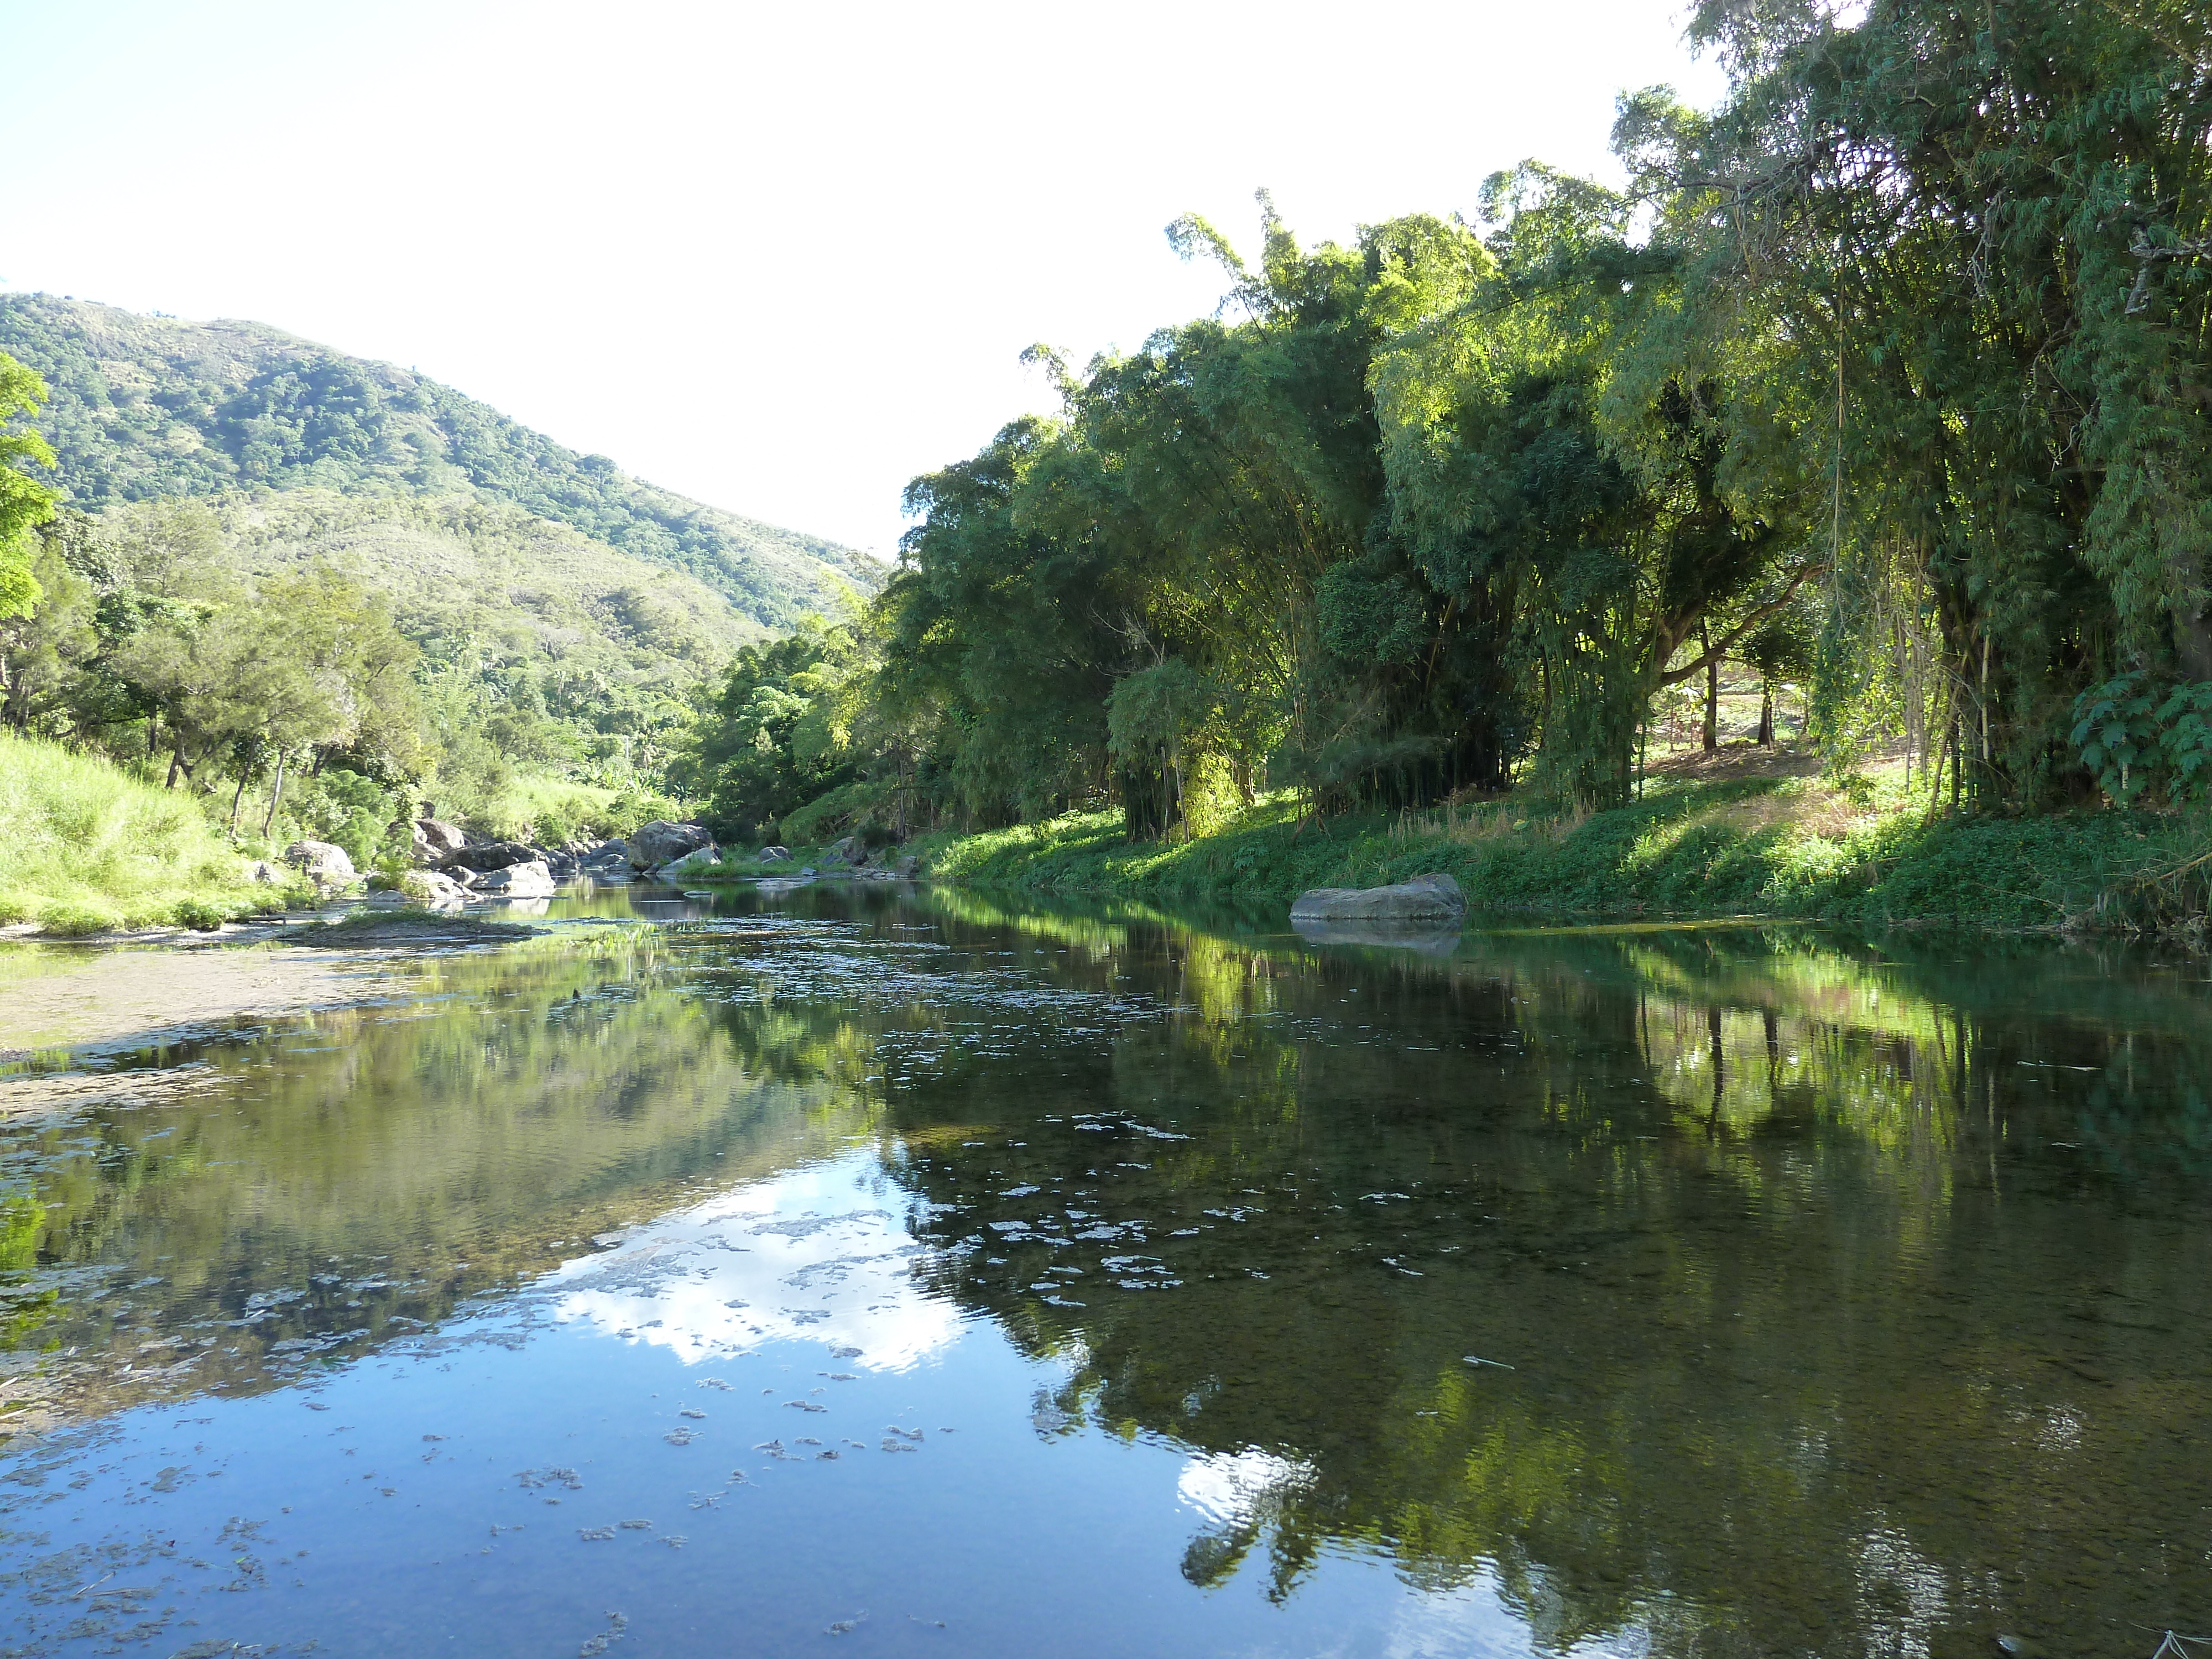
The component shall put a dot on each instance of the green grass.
(85, 848)
(1757, 846)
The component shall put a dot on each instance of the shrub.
(76, 919)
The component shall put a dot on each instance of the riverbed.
(924, 1271)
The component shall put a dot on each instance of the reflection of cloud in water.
(794, 1257)
(1477, 1620)
(1230, 1488)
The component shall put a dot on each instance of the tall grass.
(86, 849)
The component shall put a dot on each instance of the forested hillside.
(1882, 385)
(141, 408)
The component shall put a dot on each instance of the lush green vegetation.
(318, 661)
(147, 408)
(1875, 395)
(84, 848)
(1870, 854)
(1880, 385)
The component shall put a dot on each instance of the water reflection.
(1677, 1292)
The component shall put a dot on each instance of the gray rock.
(329, 865)
(435, 840)
(530, 880)
(906, 868)
(493, 855)
(661, 843)
(263, 873)
(693, 864)
(1425, 898)
(774, 854)
(846, 849)
(431, 887)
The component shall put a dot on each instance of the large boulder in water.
(1425, 898)
(494, 855)
(328, 866)
(694, 864)
(530, 880)
(661, 843)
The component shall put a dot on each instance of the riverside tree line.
(1887, 378)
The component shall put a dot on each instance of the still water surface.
(850, 1270)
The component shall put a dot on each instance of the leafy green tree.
(24, 501)
(45, 648)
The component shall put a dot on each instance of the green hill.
(453, 564)
(148, 407)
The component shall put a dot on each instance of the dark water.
(889, 1274)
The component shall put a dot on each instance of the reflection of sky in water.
(1230, 1488)
(786, 1468)
(812, 1255)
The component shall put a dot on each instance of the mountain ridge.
(144, 407)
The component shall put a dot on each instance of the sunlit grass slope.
(1746, 846)
(85, 848)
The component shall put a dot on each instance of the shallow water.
(924, 1272)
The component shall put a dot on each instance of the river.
(935, 1273)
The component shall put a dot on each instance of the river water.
(936, 1274)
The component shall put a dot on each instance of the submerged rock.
(1430, 898)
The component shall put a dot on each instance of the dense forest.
(1886, 379)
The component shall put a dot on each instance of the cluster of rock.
(452, 864)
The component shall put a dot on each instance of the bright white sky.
(779, 257)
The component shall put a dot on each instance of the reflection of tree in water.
(1793, 1280)
(344, 1180)
(1818, 1341)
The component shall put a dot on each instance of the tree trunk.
(1712, 691)
(237, 795)
(275, 794)
(177, 764)
(1765, 714)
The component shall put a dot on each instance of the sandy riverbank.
(63, 997)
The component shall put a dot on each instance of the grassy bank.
(86, 849)
(1753, 835)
